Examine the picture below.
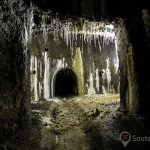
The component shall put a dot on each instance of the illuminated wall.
(88, 48)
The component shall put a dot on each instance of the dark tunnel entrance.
(65, 83)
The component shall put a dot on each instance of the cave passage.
(65, 83)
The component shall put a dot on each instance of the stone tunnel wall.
(95, 63)
(129, 96)
(134, 95)
(14, 73)
(98, 70)
(14, 83)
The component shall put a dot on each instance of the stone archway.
(65, 83)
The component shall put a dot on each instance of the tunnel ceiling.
(95, 8)
(63, 6)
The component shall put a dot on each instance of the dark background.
(94, 8)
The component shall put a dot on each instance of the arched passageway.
(65, 83)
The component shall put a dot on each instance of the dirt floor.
(81, 123)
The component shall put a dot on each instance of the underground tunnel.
(95, 53)
(65, 83)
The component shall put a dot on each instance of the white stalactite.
(69, 29)
(97, 79)
(108, 75)
(46, 82)
(34, 80)
(91, 89)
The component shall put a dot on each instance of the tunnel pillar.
(134, 54)
(129, 89)
(139, 38)
(78, 69)
(14, 73)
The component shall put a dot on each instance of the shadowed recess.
(66, 83)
